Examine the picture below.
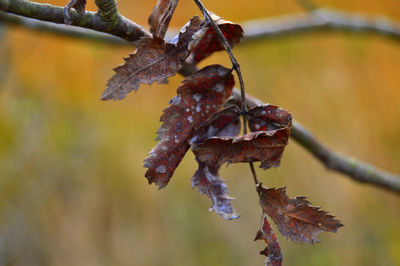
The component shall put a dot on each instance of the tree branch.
(106, 20)
(108, 11)
(113, 23)
(358, 170)
(61, 29)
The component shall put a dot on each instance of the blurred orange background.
(72, 186)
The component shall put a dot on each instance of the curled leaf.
(211, 43)
(268, 117)
(264, 146)
(199, 96)
(223, 123)
(161, 16)
(272, 251)
(295, 219)
(154, 60)
(208, 182)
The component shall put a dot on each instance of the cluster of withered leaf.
(198, 118)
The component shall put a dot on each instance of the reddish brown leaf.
(223, 123)
(210, 42)
(216, 143)
(161, 16)
(264, 146)
(268, 117)
(295, 219)
(78, 5)
(272, 251)
(199, 96)
(154, 60)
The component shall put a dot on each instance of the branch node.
(108, 11)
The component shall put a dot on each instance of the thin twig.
(228, 49)
(236, 66)
(254, 174)
(272, 27)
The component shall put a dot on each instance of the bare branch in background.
(108, 20)
(352, 167)
(321, 19)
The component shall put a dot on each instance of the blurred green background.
(72, 186)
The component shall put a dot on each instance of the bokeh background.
(72, 186)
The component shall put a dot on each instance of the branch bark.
(357, 169)
(108, 20)
(108, 11)
(62, 30)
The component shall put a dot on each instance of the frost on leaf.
(161, 16)
(78, 5)
(223, 123)
(154, 60)
(210, 42)
(295, 219)
(199, 96)
(272, 251)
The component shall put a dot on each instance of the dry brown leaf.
(216, 142)
(223, 123)
(295, 219)
(154, 60)
(208, 182)
(268, 117)
(210, 42)
(161, 16)
(199, 96)
(272, 251)
(264, 146)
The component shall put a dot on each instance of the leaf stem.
(253, 171)
(228, 49)
(236, 67)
